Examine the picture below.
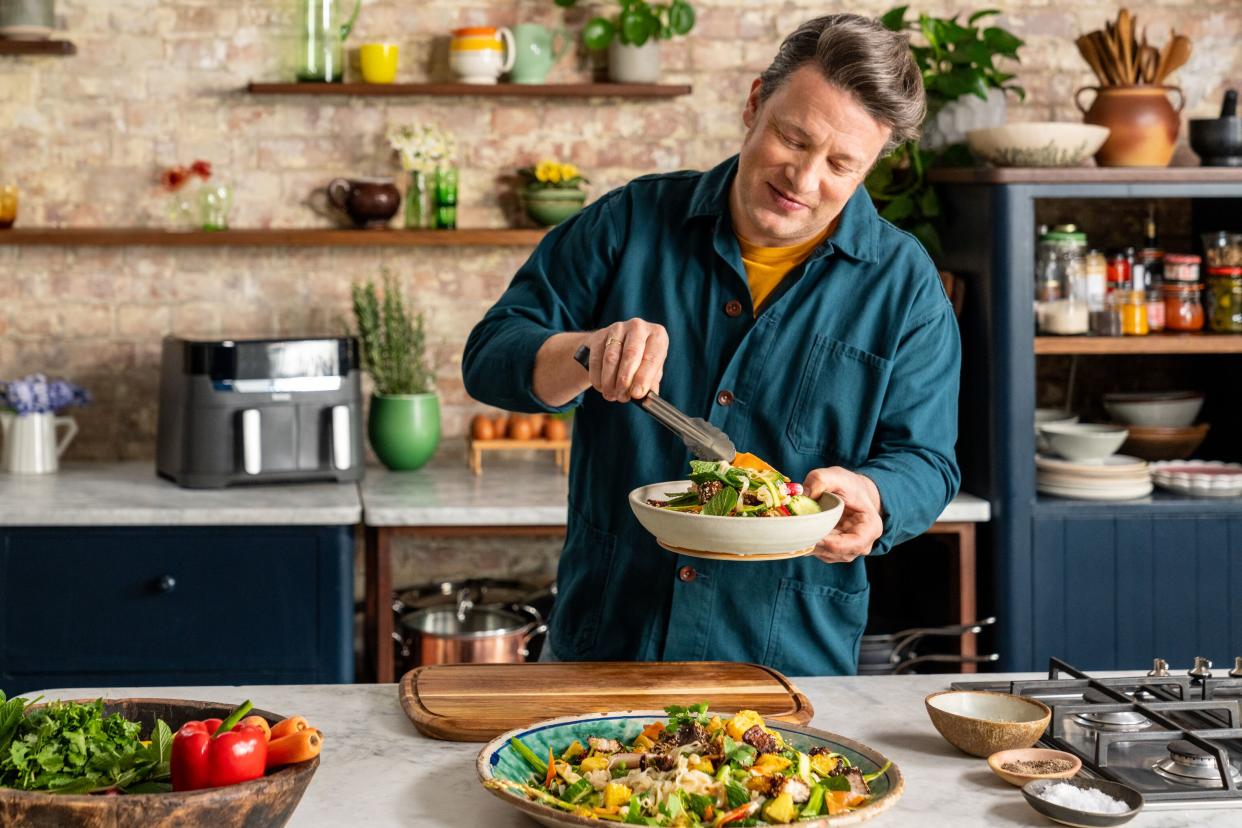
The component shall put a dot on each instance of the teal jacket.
(853, 361)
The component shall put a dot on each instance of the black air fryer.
(259, 411)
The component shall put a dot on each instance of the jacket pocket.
(816, 629)
(582, 580)
(838, 401)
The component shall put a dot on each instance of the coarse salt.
(1082, 799)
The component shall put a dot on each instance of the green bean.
(530, 756)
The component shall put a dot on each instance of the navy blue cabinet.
(1103, 585)
(123, 606)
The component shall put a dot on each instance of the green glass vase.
(404, 429)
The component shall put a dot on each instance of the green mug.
(536, 48)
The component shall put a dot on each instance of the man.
(767, 296)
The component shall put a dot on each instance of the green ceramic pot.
(404, 429)
(549, 207)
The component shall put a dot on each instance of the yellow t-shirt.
(767, 266)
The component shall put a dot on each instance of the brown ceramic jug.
(1141, 120)
(368, 202)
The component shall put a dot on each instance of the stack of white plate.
(1203, 478)
(1117, 477)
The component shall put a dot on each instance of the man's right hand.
(627, 359)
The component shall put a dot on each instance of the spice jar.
(1059, 264)
(1225, 299)
(1182, 309)
(1096, 268)
(1133, 305)
(1118, 271)
(1181, 267)
(1155, 311)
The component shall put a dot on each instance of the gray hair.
(858, 55)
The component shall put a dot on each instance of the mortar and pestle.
(1218, 141)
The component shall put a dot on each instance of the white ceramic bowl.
(1172, 409)
(732, 535)
(1083, 442)
(983, 722)
(1037, 143)
(1050, 415)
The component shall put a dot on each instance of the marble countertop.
(513, 490)
(377, 770)
(130, 494)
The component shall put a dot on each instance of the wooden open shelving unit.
(37, 47)
(292, 237)
(1151, 344)
(499, 90)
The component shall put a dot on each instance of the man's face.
(807, 148)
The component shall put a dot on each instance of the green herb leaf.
(722, 502)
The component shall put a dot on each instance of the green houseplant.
(957, 59)
(632, 36)
(404, 422)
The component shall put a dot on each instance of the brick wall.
(157, 82)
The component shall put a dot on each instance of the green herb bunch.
(956, 59)
(70, 747)
(394, 341)
(637, 22)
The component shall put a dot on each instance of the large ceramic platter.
(735, 536)
(1204, 478)
(1127, 492)
(498, 760)
(1115, 465)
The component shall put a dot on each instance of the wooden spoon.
(1125, 38)
(1112, 58)
(1178, 55)
(1086, 48)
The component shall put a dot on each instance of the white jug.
(30, 445)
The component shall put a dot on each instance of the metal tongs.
(704, 440)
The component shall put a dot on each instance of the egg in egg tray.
(518, 432)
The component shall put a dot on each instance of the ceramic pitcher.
(1141, 120)
(30, 445)
(536, 49)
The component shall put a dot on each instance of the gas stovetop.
(1176, 738)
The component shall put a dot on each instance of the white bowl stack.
(1115, 478)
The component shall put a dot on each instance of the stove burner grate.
(1189, 764)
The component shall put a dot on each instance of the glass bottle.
(321, 41)
(446, 198)
(418, 201)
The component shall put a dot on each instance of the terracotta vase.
(1141, 120)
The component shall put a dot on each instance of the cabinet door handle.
(252, 449)
(166, 583)
(342, 438)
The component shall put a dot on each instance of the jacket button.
(687, 574)
(725, 398)
(733, 308)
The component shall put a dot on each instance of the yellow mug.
(379, 62)
(8, 206)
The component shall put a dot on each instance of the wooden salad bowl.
(268, 801)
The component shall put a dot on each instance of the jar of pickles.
(1225, 299)
(1183, 310)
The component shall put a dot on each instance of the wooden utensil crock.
(1142, 123)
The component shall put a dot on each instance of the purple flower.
(36, 395)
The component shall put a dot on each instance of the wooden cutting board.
(478, 702)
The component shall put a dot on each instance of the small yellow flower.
(548, 171)
(568, 171)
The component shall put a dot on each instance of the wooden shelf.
(1085, 175)
(1152, 344)
(499, 90)
(310, 237)
(37, 47)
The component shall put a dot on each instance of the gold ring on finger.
(611, 341)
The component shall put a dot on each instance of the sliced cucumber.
(803, 505)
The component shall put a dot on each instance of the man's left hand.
(860, 525)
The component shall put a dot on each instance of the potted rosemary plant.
(404, 423)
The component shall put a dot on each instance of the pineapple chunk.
(780, 809)
(715, 725)
(642, 743)
(575, 749)
(594, 763)
(824, 764)
(704, 765)
(616, 795)
(742, 722)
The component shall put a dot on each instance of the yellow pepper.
(616, 794)
(594, 763)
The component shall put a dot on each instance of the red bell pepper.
(212, 754)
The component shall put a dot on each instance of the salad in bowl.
(714, 513)
(691, 769)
